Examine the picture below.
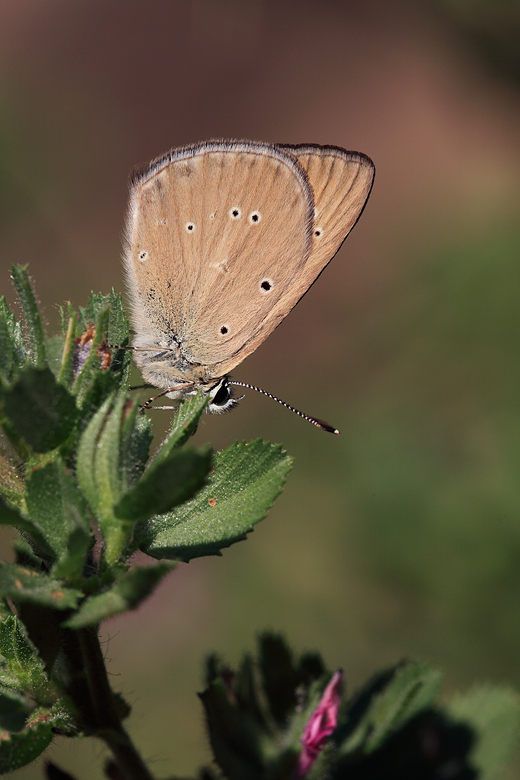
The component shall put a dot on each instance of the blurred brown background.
(401, 537)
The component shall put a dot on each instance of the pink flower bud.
(321, 724)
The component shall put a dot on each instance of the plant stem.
(107, 723)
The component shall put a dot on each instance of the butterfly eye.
(222, 396)
(190, 227)
(318, 232)
(255, 217)
(224, 329)
(143, 256)
(235, 213)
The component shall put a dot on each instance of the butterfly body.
(222, 239)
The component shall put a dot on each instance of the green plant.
(79, 485)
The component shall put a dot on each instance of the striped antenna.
(318, 423)
(324, 426)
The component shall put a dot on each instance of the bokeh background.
(401, 537)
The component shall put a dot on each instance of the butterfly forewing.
(217, 234)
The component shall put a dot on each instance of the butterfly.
(222, 239)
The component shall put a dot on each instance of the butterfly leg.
(148, 403)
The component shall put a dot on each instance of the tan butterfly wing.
(224, 238)
(341, 182)
(216, 234)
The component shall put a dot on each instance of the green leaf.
(98, 302)
(27, 553)
(118, 335)
(166, 484)
(246, 480)
(27, 585)
(66, 373)
(104, 384)
(88, 314)
(66, 314)
(414, 688)
(279, 676)
(493, 713)
(42, 411)
(6, 344)
(58, 509)
(100, 476)
(5, 609)
(184, 424)
(11, 481)
(250, 697)
(12, 346)
(54, 352)
(108, 479)
(169, 479)
(72, 560)
(127, 593)
(136, 438)
(107, 459)
(236, 742)
(14, 709)
(25, 556)
(117, 328)
(32, 315)
(19, 749)
(42, 628)
(22, 663)
(86, 457)
(11, 516)
(393, 700)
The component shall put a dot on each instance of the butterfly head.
(221, 397)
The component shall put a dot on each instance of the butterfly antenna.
(318, 423)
